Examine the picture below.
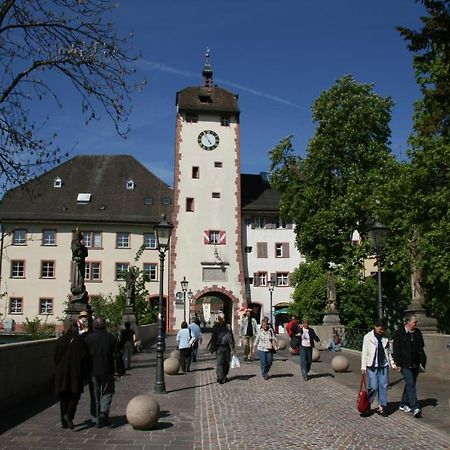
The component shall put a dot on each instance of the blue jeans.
(378, 384)
(265, 361)
(409, 396)
(305, 360)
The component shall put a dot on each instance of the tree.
(426, 181)
(336, 188)
(44, 39)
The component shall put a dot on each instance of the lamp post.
(271, 284)
(163, 232)
(184, 286)
(378, 235)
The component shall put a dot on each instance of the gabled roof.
(105, 178)
(257, 195)
(207, 99)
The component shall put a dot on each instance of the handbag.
(362, 401)
(295, 342)
(234, 364)
(192, 339)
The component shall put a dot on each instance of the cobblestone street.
(248, 412)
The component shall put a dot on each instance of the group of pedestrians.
(88, 358)
(188, 339)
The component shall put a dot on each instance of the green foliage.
(38, 330)
(111, 309)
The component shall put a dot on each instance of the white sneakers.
(405, 408)
(417, 412)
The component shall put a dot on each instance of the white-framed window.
(131, 184)
(17, 269)
(20, 237)
(215, 237)
(225, 120)
(48, 237)
(123, 240)
(281, 223)
(46, 306)
(47, 269)
(261, 250)
(93, 271)
(260, 222)
(262, 279)
(282, 279)
(150, 241)
(15, 305)
(282, 250)
(121, 270)
(151, 271)
(57, 182)
(92, 239)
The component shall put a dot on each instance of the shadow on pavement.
(320, 375)
(281, 375)
(189, 387)
(241, 377)
(202, 370)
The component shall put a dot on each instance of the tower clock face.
(208, 140)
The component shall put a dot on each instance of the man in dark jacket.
(409, 355)
(307, 337)
(102, 348)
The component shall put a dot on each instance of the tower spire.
(207, 72)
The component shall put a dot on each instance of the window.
(20, 237)
(148, 200)
(57, 182)
(48, 237)
(151, 271)
(150, 241)
(191, 118)
(121, 270)
(48, 269)
(215, 237)
(15, 305)
(123, 240)
(216, 195)
(260, 222)
(218, 164)
(195, 172)
(225, 120)
(281, 223)
(189, 204)
(261, 249)
(92, 239)
(46, 306)
(282, 279)
(92, 271)
(248, 249)
(261, 279)
(131, 184)
(166, 201)
(17, 269)
(84, 197)
(282, 250)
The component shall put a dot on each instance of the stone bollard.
(340, 363)
(282, 343)
(171, 366)
(142, 412)
(315, 355)
(175, 354)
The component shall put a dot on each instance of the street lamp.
(378, 235)
(271, 284)
(163, 232)
(184, 286)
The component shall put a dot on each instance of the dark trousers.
(185, 359)
(223, 356)
(409, 396)
(305, 360)
(194, 351)
(68, 402)
(103, 392)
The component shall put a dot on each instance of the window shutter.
(255, 279)
(273, 277)
(286, 250)
(290, 279)
(206, 237)
(261, 250)
(222, 237)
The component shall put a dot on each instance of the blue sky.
(277, 55)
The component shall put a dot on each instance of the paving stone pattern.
(246, 413)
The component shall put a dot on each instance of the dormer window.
(131, 184)
(84, 197)
(57, 182)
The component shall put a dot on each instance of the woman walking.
(183, 338)
(70, 370)
(266, 344)
(375, 360)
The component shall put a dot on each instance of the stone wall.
(438, 355)
(147, 334)
(26, 370)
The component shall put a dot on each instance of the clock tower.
(206, 241)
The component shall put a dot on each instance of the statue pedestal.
(426, 323)
(74, 309)
(331, 318)
(129, 316)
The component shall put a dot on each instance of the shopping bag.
(362, 401)
(234, 362)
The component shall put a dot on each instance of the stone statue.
(79, 254)
(131, 286)
(331, 293)
(418, 296)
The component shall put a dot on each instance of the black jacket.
(408, 349)
(221, 336)
(102, 348)
(312, 336)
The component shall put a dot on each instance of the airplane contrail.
(168, 69)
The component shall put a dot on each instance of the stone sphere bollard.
(282, 343)
(142, 412)
(175, 354)
(315, 355)
(340, 363)
(171, 366)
